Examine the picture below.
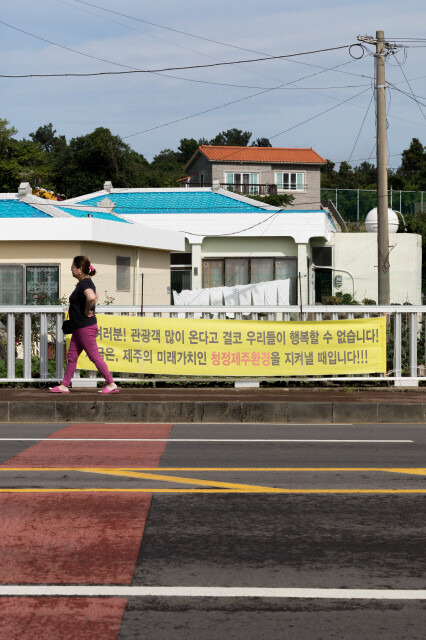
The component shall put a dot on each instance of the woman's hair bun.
(83, 263)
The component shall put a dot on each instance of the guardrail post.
(59, 346)
(397, 358)
(27, 346)
(397, 347)
(10, 345)
(43, 346)
(414, 325)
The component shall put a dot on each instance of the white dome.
(371, 221)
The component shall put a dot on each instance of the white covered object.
(371, 221)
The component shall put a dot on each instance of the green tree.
(261, 142)
(187, 148)
(93, 158)
(45, 136)
(232, 137)
(23, 161)
(413, 166)
(6, 133)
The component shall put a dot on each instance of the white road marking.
(210, 592)
(47, 439)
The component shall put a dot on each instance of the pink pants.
(85, 339)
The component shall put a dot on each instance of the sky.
(282, 100)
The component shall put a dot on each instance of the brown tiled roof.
(261, 154)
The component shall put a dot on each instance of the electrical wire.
(130, 69)
(318, 114)
(225, 44)
(159, 70)
(362, 126)
(232, 233)
(411, 95)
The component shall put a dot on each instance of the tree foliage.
(84, 163)
(410, 175)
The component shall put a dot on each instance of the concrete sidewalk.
(284, 405)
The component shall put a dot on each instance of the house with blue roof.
(39, 238)
(231, 239)
(145, 243)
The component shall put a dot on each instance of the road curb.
(222, 412)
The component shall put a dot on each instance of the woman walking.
(84, 326)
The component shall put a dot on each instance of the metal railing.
(250, 189)
(244, 189)
(28, 332)
(354, 204)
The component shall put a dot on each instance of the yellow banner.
(240, 348)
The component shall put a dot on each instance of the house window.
(29, 284)
(202, 179)
(236, 271)
(11, 284)
(247, 183)
(213, 273)
(322, 257)
(123, 273)
(262, 269)
(180, 273)
(289, 181)
(233, 271)
(41, 284)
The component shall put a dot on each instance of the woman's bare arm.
(91, 299)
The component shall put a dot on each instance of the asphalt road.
(258, 531)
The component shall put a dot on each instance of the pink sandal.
(58, 390)
(106, 390)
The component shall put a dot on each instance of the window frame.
(249, 258)
(43, 264)
(23, 266)
(129, 288)
(238, 187)
(279, 182)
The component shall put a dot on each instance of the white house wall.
(91, 229)
(299, 225)
(357, 253)
(249, 247)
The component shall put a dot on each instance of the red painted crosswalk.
(74, 538)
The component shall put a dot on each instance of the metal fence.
(32, 345)
(354, 204)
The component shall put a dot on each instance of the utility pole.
(382, 50)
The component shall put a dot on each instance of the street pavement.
(207, 531)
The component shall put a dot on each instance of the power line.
(362, 126)
(317, 115)
(150, 35)
(225, 44)
(129, 68)
(61, 46)
(159, 70)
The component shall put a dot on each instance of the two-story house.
(258, 171)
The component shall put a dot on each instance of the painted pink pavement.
(96, 454)
(74, 538)
(61, 618)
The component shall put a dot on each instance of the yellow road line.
(247, 491)
(224, 469)
(179, 480)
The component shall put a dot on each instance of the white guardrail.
(27, 331)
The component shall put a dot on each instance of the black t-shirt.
(78, 305)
